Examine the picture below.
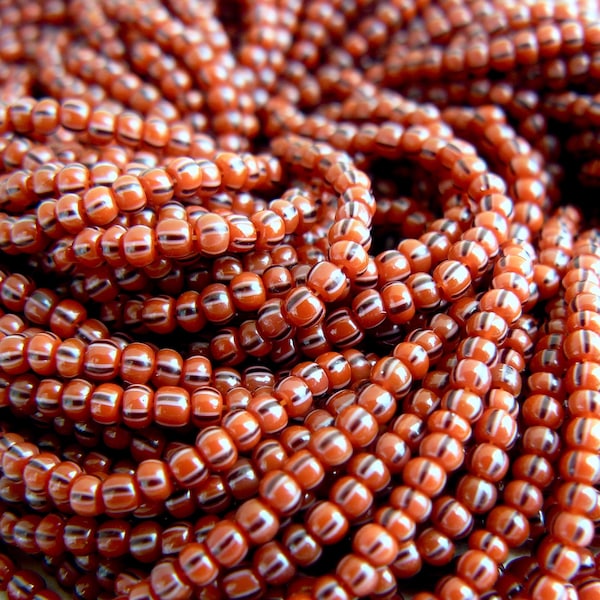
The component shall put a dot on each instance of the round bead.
(212, 234)
(216, 448)
(258, 520)
(454, 587)
(120, 494)
(242, 583)
(557, 559)
(169, 581)
(139, 246)
(330, 446)
(227, 544)
(273, 564)
(85, 496)
(281, 491)
(509, 524)
(451, 517)
(375, 544)
(198, 564)
(435, 547)
(352, 496)
(326, 523)
(425, 475)
(302, 547)
(357, 574)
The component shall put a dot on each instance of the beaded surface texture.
(300, 299)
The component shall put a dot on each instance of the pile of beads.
(300, 299)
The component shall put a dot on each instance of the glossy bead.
(549, 586)
(158, 314)
(476, 493)
(326, 523)
(16, 458)
(435, 547)
(168, 581)
(295, 396)
(562, 529)
(472, 375)
(145, 542)
(492, 545)
(216, 302)
(408, 561)
(172, 407)
(129, 194)
(24, 584)
(358, 424)
(524, 496)
(578, 498)
(376, 544)
(305, 469)
(38, 469)
(85, 496)
(302, 308)
(70, 357)
(105, 404)
(49, 535)
(451, 517)
(24, 533)
(414, 357)
(302, 547)
(393, 451)
(227, 543)
(370, 470)
(168, 368)
(454, 587)
(453, 279)
(357, 574)
(330, 446)
(442, 448)
(158, 185)
(142, 591)
(496, 426)
(198, 564)
(393, 375)
(281, 491)
(349, 256)
(136, 406)
(14, 353)
(557, 559)
(216, 448)
(187, 176)
(258, 520)
(242, 583)
(509, 524)
(336, 368)
(586, 588)
(378, 401)
(113, 538)
(580, 466)
(425, 475)
(352, 496)
(328, 281)
(273, 564)
(213, 234)
(79, 535)
(450, 423)
(120, 494)
(60, 482)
